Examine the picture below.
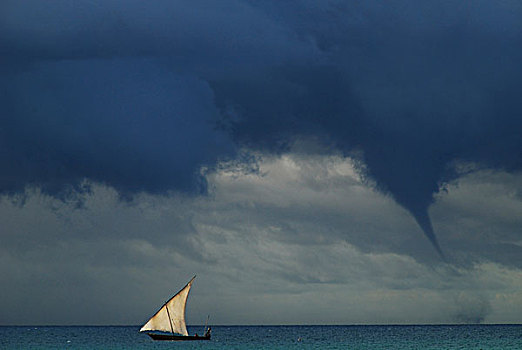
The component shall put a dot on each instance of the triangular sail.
(173, 309)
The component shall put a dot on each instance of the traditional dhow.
(168, 323)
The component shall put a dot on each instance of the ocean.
(270, 337)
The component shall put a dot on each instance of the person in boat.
(207, 333)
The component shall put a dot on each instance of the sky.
(333, 162)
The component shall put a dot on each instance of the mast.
(206, 323)
(170, 319)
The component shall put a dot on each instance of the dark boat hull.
(157, 336)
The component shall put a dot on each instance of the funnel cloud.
(146, 98)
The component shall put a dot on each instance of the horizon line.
(275, 325)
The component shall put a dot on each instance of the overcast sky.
(328, 162)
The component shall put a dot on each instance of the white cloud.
(480, 217)
(303, 241)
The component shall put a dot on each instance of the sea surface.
(270, 337)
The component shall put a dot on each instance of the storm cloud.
(147, 97)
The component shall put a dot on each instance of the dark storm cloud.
(191, 33)
(113, 91)
(411, 87)
(414, 86)
(127, 123)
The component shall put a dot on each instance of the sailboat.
(168, 323)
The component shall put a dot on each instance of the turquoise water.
(271, 337)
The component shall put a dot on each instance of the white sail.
(171, 316)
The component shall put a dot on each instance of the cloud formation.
(304, 241)
(127, 123)
(140, 97)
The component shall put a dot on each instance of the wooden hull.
(157, 336)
